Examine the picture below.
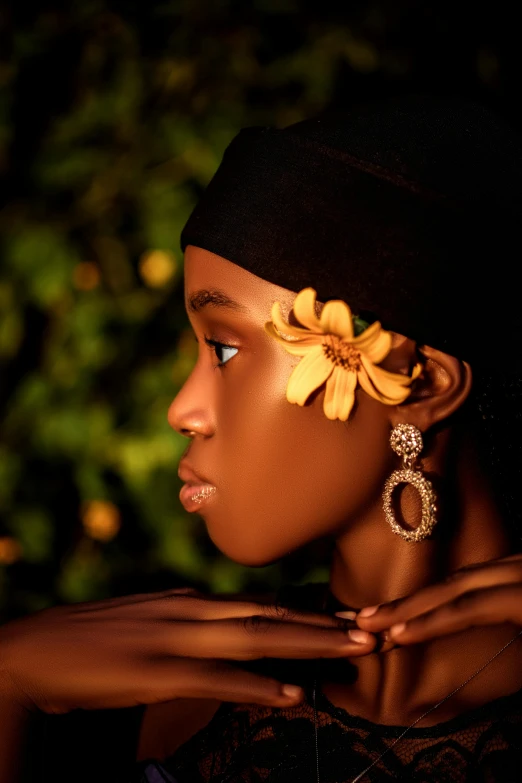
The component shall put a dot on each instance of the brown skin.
(281, 471)
(286, 476)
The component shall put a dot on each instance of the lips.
(196, 491)
(189, 476)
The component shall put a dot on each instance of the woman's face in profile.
(284, 474)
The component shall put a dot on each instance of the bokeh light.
(10, 550)
(86, 276)
(157, 267)
(101, 520)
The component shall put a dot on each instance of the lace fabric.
(256, 744)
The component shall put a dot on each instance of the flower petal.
(298, 347)
(311, 372)
(374, 342)
(416, 371)
(387, 387)
(340, 394)
(304, 310)
(336, 318)
(372, 391)
(382, 376)
(282, 326)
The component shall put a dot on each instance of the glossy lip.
(196, 491)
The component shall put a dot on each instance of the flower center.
(340, 353)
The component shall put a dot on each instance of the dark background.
(113, 117)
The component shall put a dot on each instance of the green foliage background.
(113, 117)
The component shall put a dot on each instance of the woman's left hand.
(487, 593)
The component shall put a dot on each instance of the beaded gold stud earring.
(406, 441)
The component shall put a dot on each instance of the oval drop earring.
(406, 441)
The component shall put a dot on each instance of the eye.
(221, 350)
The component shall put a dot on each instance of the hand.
(487, 593)
(155, 647)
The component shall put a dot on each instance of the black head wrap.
(408, 209)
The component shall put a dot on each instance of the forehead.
(213, 281)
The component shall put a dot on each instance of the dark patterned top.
(250, 744)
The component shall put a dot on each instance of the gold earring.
(406, 441)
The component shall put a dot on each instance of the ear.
(441, 389)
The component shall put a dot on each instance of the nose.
(191, 412)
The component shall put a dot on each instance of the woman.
(305, 417)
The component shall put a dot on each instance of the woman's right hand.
(155, 647)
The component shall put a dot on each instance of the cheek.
(288, 475)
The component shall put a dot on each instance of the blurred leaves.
(113, 117)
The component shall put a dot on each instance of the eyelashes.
(220, 350)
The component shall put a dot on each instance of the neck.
(372, 565)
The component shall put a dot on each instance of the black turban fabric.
(408, 209)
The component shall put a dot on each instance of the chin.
(246, 553)
(246, 557)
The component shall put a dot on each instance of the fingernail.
(368, 611)
(346, 615)
(361, 637)
(395, 630)
(292, 691)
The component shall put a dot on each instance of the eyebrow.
(198, 300)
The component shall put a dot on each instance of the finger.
(205, 608)
(185, 678)
(127, 600)
(189, 604)
(489, 606)
(466, 580)
(517, 556)
(254, 637)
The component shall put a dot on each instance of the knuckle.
(255, 625)
(465, 601)
(280, 612)
(460, 579)
(392, 606)
(460, 582)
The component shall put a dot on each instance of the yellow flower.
(333, 354)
